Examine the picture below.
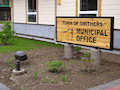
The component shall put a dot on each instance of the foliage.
(45, 79)
(9, 61)
(53, 81)
(12, 66)
(85, 54)
(6, 34)
(54, 66)
(87, 62)
(77, 49)
(65, 79)
(35, 74)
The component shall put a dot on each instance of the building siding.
(67, 8)
(112, 8)
(19, 11)
(46, 12)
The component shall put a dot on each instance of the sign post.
(96, 32)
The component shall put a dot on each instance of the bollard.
(68, 51)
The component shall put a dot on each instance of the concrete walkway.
(114, 85)
(3, 87)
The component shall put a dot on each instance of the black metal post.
(18, 65)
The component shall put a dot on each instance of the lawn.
(3, 22)
(25, 44)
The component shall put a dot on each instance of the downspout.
(12, 16)
(55, 29)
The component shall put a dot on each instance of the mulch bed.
(37, 59)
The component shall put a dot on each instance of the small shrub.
(64, 78)
(77, 49)
(53, 81)
(9, 61)
(85, 54)
(66, 81)
(45, 79)
(54, 66)
(71, 61)
(35, 74)
(12, 66)
(87, 64)
(6, 34)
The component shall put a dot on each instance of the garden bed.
(38, 77)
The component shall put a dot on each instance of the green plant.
(9, 61)
(53, 81)
(68, 83)
(64, 78)
(87, 63)
(71, 61)
(77, 49)
(12, 66)
(6, 34)
(85, 54)
(45, 79)
(35, 74)
(54, 66)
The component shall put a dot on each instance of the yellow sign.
(95, 32)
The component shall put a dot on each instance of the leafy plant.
(71, 61)
(6, 34)
(9, 61)
(35, 74)
(65, 79)
(53, 81)
(87, 63)
(12, 66)
(77, 49)
(54, 66)
(85, 54)
(45, 79)
(68, 83)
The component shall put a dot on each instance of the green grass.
(25, 44)
(3, 22)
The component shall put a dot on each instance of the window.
(87, 8)
(32, 12)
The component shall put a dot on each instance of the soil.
(78, 78)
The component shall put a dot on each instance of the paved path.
(3, 87)
(114, 85)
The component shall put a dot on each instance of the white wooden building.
(37, 18)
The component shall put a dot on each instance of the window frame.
(88, 12)
(31, 13)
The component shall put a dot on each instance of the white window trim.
(32, 13)
(88, 12)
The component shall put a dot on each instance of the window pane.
(31, 18)
(31, 5)
(87, 15)
(88, 5)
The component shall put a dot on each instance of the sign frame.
(111, 35)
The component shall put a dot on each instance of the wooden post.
(68, 51)
(96, 55)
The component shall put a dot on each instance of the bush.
(6, 33)
(54, 66)
(77, 49)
